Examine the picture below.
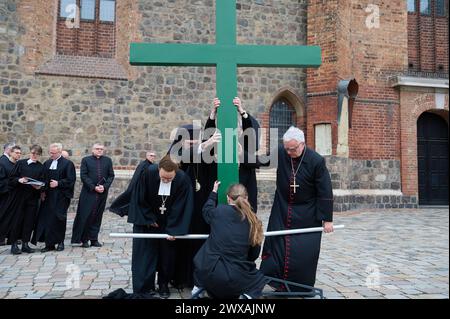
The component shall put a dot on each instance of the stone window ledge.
(418, 82)
(83, 66)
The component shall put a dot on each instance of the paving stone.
(402, 262)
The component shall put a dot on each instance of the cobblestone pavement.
(394, 254)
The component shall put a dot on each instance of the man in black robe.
(59, 179)
(19, 214)
(121, 203)
(6, 168)
(161, 202)
(97, 175)
(303, 199)
(8, 161)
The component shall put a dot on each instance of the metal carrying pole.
(202, 236)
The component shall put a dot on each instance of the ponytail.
(238, 194)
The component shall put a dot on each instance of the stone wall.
(132, 116)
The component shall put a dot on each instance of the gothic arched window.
(282, 116)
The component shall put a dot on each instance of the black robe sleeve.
(3, 180)
(210, 207)
(324, 204)
(140, 211)
(110, 177)
(179, 218)
(253, 253)
(67, 183)
(210, 123)
(121, 204)
(84, 174)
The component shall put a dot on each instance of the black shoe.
(164, 291)
(47, 248)
(85, 244)
(27, 249)
(95, 243)
(15, 250)
(60, 247)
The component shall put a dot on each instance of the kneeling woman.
(225, 265)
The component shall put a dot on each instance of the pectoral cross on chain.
(294, 186)
(162, 209)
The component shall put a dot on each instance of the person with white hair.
(59, 179)
(303, 199)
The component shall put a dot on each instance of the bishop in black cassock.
(303, 199)
(95, 171)
(59, 178)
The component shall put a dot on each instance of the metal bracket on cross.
(226, 55)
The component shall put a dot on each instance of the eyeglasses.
(99, 149)
(293, 149)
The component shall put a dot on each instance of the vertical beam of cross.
(226, 79)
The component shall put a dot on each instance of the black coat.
(295, 257)
(121, 204)
(6, 186)
(145, 203)
(6, 169)
(51, 223)
(12, 211)
(93, 172)
(225, 265)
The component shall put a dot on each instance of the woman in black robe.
(225, 265)
(150, 212)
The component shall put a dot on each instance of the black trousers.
(148, 257)
(25, 224)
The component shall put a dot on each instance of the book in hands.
(32, 181)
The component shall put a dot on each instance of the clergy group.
(171, 197)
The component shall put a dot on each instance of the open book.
(32, 181)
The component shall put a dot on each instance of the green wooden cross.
(226, 55)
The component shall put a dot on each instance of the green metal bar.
(226, 22)
(210, 55)
(172, 54)
(278, 56)
(227, 168)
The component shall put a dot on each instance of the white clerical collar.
(54, 164)
(30, 161)
(164, 188)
